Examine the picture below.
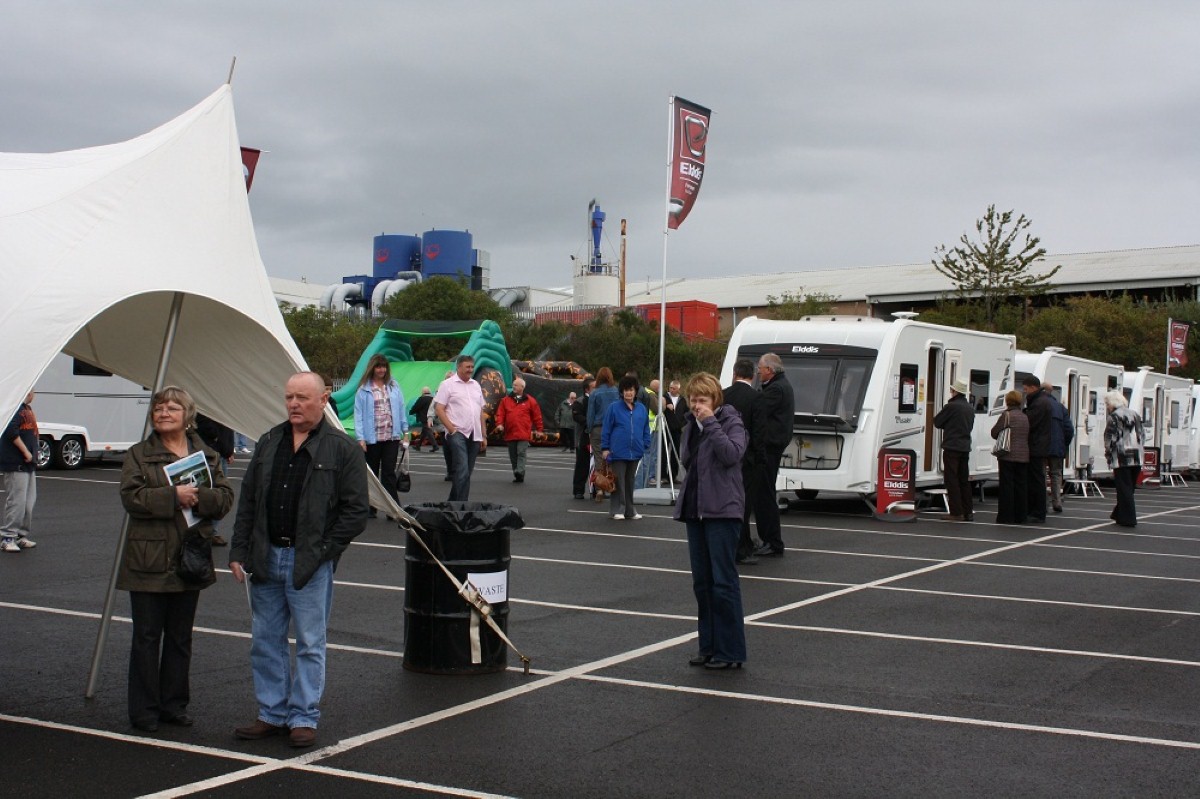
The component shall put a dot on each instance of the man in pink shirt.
(459, 405)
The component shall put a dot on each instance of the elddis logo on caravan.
(806, 349)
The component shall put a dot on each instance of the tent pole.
(111, 598)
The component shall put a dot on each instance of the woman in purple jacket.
(710, 502)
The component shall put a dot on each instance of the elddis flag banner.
(690, 137)
(1178, 352)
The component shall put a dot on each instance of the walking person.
(381, 422)
(459, 404)
(956, 420)
(162, 604)
(518, 417)
(420, 410)
(711, 503)
(18, 475)
(624, 437)
(1011, 503)
(303, 500)
(565, 422)
(1123, 442)
(1062, 431)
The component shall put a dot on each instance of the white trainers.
(618, 515)
(9, 545)
(634, 517)
(25, 543)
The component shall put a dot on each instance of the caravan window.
(86, 369)
(908, 388)
(981, 381)
(829, 382)
(1093, 402)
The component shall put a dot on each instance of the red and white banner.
(249, 162)
(1178, 353)
(689, 123)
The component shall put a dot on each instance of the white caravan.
(1193, 461)
(1165, 404)
(1080, 385)
(83, 410)
(863, 384)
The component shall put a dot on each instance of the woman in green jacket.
(162, 513)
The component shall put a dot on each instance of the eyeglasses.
(167, 410)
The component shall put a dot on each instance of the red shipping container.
(689, 317)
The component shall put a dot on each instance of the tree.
(797, 305)
(330, 341)
(996, 269)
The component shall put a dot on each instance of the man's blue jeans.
(287, 698)
(462, 462)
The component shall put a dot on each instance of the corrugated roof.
(1092, 271)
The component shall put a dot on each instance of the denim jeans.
(649, 463)
(462, 453)
(287, 697)
(712, 545)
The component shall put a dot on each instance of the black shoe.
(1036, 520)
(178, 719)
(1058, 508)
(372, 513)
(579, 496)
(518, 478)
(746, 560)
(768, 551)
(700, 660)
(721, 665)
(145, 725)
(447, 479)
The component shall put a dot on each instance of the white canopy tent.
(96, 243)
(126, 253)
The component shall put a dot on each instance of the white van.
(862, 384)
(85, 411)
(1080, 385)
(1165, 404)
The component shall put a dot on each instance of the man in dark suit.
(1037, 408)
(742, 396)
(675, 408)
(583, 442)
(773, 419)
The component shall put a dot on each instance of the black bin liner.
(440, 634)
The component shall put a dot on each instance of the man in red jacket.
(517, 417)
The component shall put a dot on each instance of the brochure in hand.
(192, 470)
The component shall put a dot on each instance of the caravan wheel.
(806, 493)
(44, 452)
(68, 453)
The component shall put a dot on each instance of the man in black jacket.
(583, 442)
(420, 409)
(956, 420)
(773, 419)
(1037, 408)
(743, 396)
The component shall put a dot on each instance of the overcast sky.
(843, 133)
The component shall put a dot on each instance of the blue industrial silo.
(395, 254)
(448, 253)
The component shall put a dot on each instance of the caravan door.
(1077, 409)
(943, 369)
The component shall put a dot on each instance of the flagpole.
(1170, 331)
(662, 303)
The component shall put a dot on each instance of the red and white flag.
(1178, 354)
(689, 138)
(249, 162)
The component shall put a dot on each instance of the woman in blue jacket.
(624, 438)
(710, 502)
(381, 422)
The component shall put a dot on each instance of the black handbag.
(195, 560)
(403, 478)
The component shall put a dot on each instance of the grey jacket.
(332, 513)
(715, 474)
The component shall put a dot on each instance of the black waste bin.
(442, 633)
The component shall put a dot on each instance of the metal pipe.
(110, 598)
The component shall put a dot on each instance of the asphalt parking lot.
(924, 659)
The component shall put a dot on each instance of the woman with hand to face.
(710, 503)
